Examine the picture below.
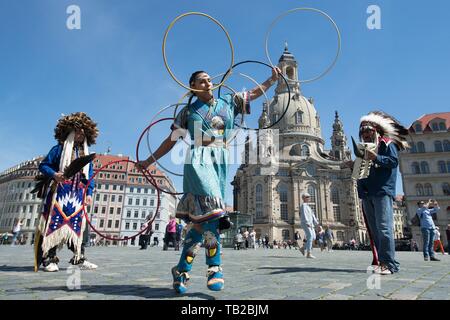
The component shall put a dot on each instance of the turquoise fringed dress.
(205, 169)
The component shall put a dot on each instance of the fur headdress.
(386, 126)
(77, 120)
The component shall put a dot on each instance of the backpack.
(415, 221)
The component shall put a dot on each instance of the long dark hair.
(191, 82)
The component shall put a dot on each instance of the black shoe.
(434, 259)
(425, 258)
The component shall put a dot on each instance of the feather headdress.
(79, 120)
(386, 126)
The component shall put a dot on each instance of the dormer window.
(418, 127)
(442, 126)
(435, 126)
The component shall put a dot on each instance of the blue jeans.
(14, 239)
(310, 236)
(211, 239)
(380, 217)
(428, 241)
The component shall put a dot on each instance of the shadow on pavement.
(309, 269)
(128, 290)
(6, 268)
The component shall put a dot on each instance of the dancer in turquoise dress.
(209, 122)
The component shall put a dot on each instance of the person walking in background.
(171, 234)
(329, 238)
(308, 222)
(437, 241)
(297, 239)
(253, 239)
(16, 230)
(238, 239)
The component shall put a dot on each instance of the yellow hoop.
(164, 48)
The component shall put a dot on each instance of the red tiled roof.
(426, 118)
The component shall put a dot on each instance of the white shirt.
(17, 227)
(307, 216)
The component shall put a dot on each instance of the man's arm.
(389, 160)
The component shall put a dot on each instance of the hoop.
(306, 9)
(164, 47)
(137, 157)
(285, 81)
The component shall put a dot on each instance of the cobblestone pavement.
(129, 273)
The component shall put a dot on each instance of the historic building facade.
(292, 160)
(122, 199)
(425, 168)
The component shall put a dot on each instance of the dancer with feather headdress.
(66, 171)
(377, 191)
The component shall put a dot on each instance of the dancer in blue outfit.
(209, 122)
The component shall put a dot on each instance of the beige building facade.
(426, 168)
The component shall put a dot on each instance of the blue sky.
(113, 68)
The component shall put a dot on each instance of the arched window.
(305, 151)
(335, 195)
(438, 146)
(290, 73)
(446, 145)
(296, 150)
(312, 193)
(340, 236)
(299, 117)
(424, 168)
(446, 189)
(442, 167)
(442, 126)
(415, 168)
(428, 189)
(420, 146)
(312, 201)
(283, 192)
(259, 190)
(419, 190)
(413, 148)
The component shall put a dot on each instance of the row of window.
(23, 209)
(439, 146)
(133, 225)
(9, 222)
(143, 214)
(424, 168)
(111, 210)
(21, 197)
(112, 197)
(283, 194)
(102, 175)
(435, 126)
(427, 189)
(137, 202)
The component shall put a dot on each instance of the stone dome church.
(290, 159)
